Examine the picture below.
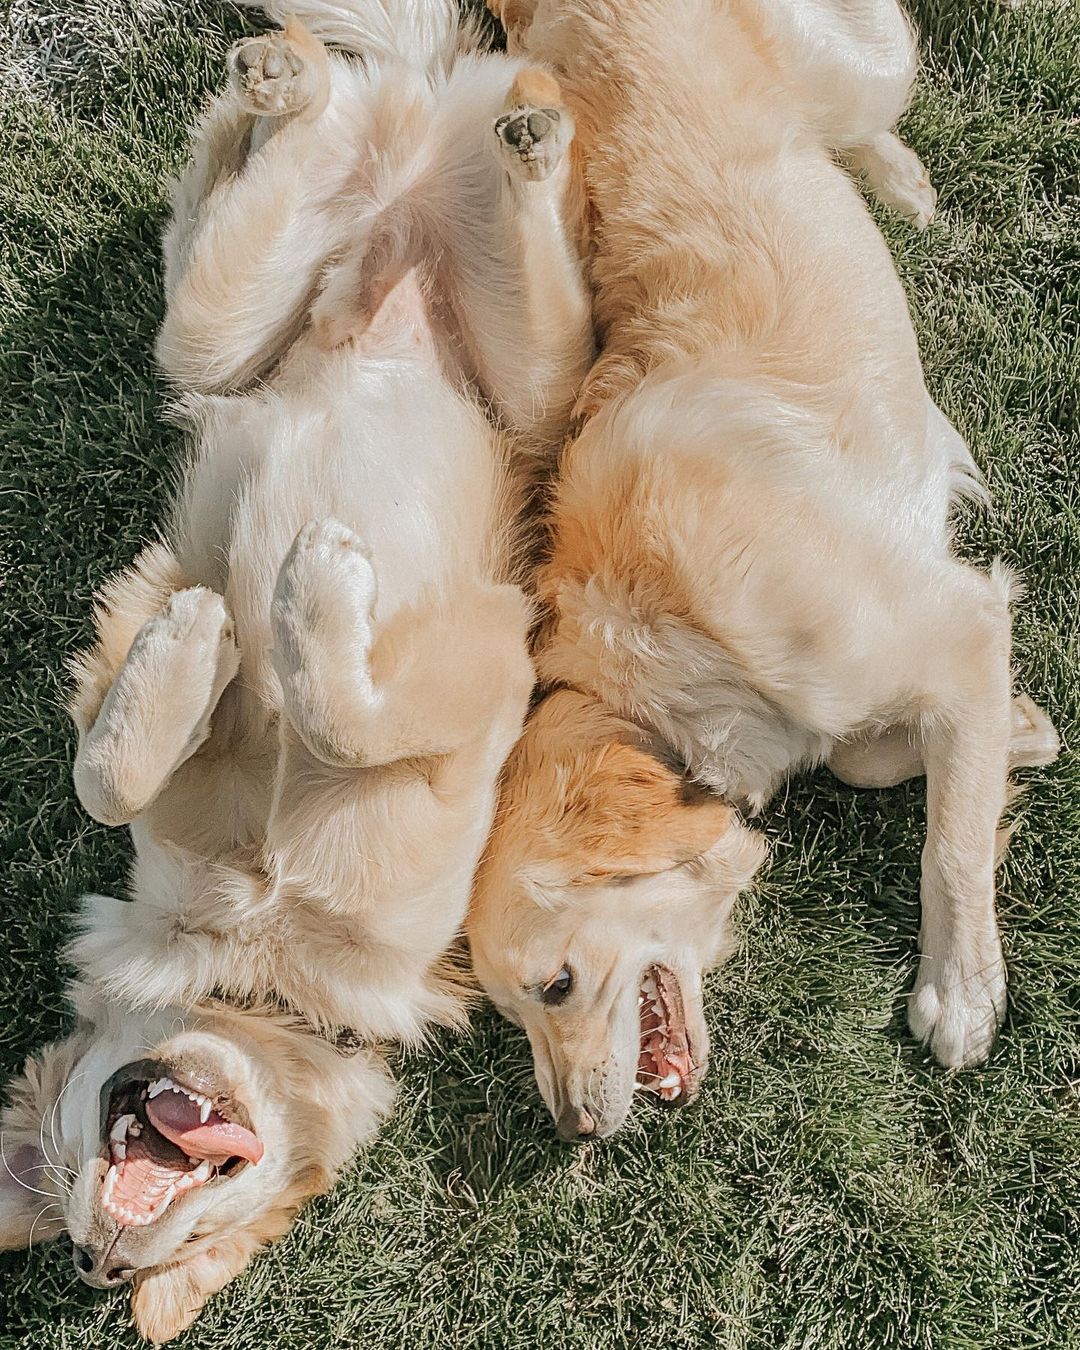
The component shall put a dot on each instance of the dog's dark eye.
(556, 990)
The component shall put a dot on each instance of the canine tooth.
(638, 1087)
(159, 1086)
(204, 1110)
(201, 1172)
(640, 999)
(672, 1080)
(677, 1093)
(119, 1149)
(110, 1182)
(164, 1203)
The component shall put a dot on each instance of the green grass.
(833, 1188)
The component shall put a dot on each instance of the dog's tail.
(420, 32)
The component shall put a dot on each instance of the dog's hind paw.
(1034, 742)
(896, 174)
(271, 76)
(533, 134)
(958, 1015)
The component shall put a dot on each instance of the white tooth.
(110, 1182)
(204, 1110)
(135, 1130)
(201, 1172)
(164, 1203)
(672, 1080)
(675, 1094)
(640, 999)
(118, 1133)
(638, 1087)
(157, 1088)
(119, 1149)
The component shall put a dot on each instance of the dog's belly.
(383, 445)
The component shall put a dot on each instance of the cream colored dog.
(302, 698)
(751, 567)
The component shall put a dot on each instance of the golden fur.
(301, 699)
(749, 538)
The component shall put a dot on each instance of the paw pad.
(523, 129)
(532, 141)
(270, 75)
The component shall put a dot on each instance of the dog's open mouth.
(165, 1138)
(665, 1064)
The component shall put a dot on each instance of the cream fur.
(751, 545)
(301, 699)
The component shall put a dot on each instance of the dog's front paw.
(271, 76)
(323, 601)
(957, 1011)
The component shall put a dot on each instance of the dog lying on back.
(301, 699)
(750, 567)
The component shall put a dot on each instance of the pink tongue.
(176, 1116)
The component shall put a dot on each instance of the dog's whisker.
(65, 1183)
(52, 1117)
(43, 1210)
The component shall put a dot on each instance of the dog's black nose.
(575, 1125)
(94, 1271)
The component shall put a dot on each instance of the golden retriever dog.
(300, 700)
(750, 566)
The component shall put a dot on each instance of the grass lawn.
(832, 1188)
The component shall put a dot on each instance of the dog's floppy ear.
(30, 1189)
(167, 1300)
(628, 813)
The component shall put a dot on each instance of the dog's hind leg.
(145, 693)
(252, 224)
(895, 754)
(361, 694)
(271, 79)
(967, 721)
(516, 256)
(852, 65)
